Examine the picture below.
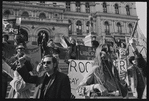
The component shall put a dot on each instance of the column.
(98, 25)
(111, 27)
(84, 27)
(112, 7)
(115, 26)
(82, 6)
(73, 6)
(108, 7)
(123, 27)
(126, 27)
(123, 9)
(74, 27)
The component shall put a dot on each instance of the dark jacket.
(58, 85)
(141, 63)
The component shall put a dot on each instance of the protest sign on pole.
(121, 65)
(76, 72)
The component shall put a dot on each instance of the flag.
(63, 42)
(10, 26)
(134, 29)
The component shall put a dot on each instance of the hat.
(20, 46)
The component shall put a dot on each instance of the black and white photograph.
(74, 50)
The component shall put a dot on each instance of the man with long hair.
(101, 79)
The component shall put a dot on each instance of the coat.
(58, 86)
(138, 72)
(19, 89)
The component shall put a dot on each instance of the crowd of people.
(102, 80)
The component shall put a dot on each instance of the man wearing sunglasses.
(52, 84)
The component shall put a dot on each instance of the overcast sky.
(141, 8)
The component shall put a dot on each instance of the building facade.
(72, 18)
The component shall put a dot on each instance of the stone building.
(72, 18)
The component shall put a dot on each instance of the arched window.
(67, 6)
(119, 27)
(7, 13)
(127, 10)
(130, 28)
(107, 27)
(116, 9)
(87, 27)
(25, 14)
(77, 6)
(42, 16)
(79, 28)
(70, 27)
(87, 7)
(104, 7)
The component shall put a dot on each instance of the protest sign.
(76, 72)
(85, 52)
(121, 65)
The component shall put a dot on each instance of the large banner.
(85, 52)
(76, 72)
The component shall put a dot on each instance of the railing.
(34, 3)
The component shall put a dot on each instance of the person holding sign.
(100, 80)
(138, 69)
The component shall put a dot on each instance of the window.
(70, 27)
(104, 7)
(42, 16)
(87, 7)
(130, 28)
(42, 2)
(119, 27)
(107, 28)
(116, 9)
(77, 6)
(25, 14)
(79, 28)
(67, 6)
(87, 27)
(127, 10)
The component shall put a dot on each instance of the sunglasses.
(21, 48)
(48, 62)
